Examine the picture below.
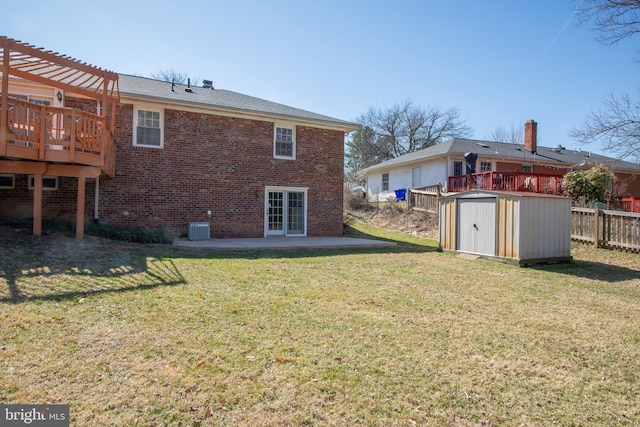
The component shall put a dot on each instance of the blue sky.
(500, 62)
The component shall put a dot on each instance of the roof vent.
(482, 145)
(188, 88)
(207, 84)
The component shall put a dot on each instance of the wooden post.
(596, 227)
(80, 207)
(41, 136)
(37, 204)
(5, 100)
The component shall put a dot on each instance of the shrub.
(129, 235)
(110, 232)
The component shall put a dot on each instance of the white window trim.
(453, 165)
(31, 178)
(486, 162)
(137, 108)
(13, 181)
(284, 125)
(388, 181)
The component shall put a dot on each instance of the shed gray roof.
(158, 90)
(505, 151)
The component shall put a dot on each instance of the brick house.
(247, 166)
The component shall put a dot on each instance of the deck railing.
(56, 134)
(629, 204)
(507, 181)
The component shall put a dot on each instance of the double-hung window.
(148, 127)
(285, 142)
(457, 168)
(385, 182)
(485, 167)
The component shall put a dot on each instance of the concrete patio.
(282, 243)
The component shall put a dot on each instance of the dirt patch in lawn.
(396, 217)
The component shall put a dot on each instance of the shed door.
(477, 226)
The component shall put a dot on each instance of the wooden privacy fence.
(424, 198)
(606, 228)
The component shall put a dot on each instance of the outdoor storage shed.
(529, 228)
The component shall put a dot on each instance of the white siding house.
(409, 176)
(436, 164)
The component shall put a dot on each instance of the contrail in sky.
(550, 45)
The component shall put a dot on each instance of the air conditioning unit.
(199, 231)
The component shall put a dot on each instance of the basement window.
(7, 182)
(148, 127)
(48, 182)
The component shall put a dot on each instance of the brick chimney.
(531, 136)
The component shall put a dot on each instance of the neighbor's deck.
(507, 181)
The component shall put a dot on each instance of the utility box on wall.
(529, 228)
(199, 231)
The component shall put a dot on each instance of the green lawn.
(155, 335)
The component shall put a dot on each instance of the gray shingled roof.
(143, 87)
(504, 151)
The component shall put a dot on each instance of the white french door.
(285, 211)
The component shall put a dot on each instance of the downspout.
(96, 201)
(96, 195)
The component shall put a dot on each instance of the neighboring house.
(451, 162)
(163, 155)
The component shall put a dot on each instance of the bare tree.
(513, 135)
(402, 128)
(173, 76)
(614, 20)
(616, 125)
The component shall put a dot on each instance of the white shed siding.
(529, 228)
(546, 227)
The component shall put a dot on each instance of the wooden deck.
(44, 140)
(507, 181)
(55, 134)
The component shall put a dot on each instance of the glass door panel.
(295, 213)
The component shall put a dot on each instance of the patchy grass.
(131, 334)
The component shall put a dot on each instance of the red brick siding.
(59, 204)
(626, 185)
(221, 164)
(208, 163)
(536, 168)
